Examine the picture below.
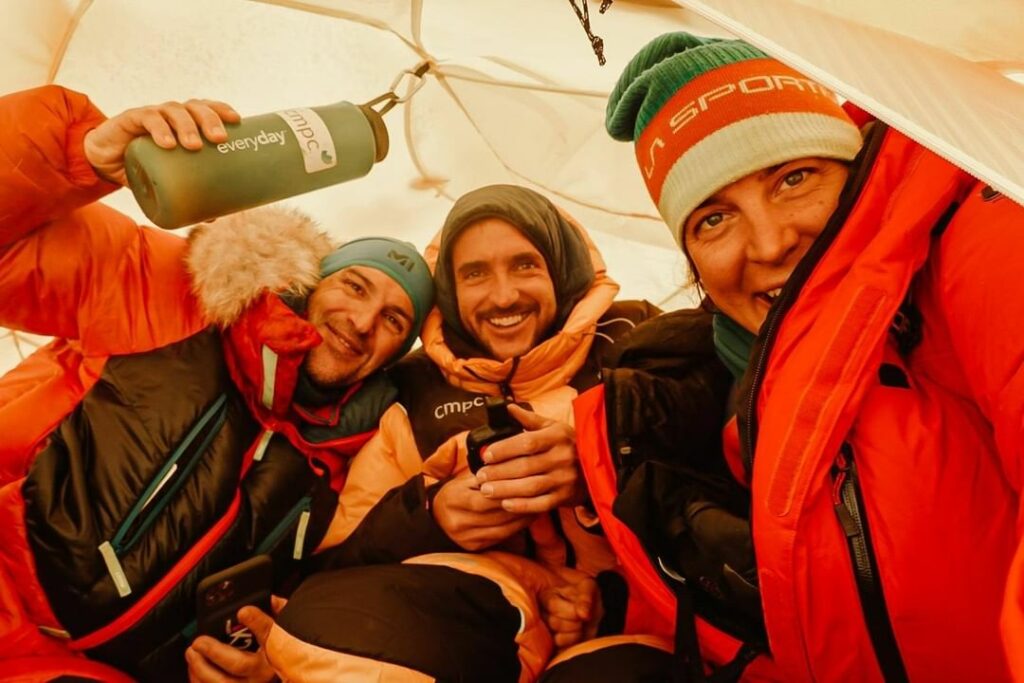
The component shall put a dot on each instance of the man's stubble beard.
(325, 380)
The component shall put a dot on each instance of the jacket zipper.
(161, 489)
(846, 495)
(164, 586)
(849, 507)
(766, 337)
(301, 511)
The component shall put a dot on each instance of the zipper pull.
(115, 569)
(55, 632)
(300, 533)
(846, 521)
(840, 481)
(170, 473)
(261, 447)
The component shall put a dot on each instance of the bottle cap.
(380, 132)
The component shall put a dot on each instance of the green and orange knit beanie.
(705, 112)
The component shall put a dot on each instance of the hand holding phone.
(220, 596)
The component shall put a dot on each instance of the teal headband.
(398, 260)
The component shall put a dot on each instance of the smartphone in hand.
(220, 596)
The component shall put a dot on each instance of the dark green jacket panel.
(113, 453)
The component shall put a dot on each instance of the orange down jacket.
(146, 334)
(872, 436)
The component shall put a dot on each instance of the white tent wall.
(515, 94)
(941, 71)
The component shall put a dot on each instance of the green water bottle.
(265, 158)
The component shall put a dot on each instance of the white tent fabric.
(515, 94)
(945, 72)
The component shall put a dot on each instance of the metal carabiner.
(421, 69)
(392, 98)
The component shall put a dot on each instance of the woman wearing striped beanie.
(708, 118)
(866, 297)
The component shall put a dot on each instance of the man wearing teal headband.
(199, 404)
(368, 307)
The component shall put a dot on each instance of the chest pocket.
(437, 410)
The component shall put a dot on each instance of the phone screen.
(220, 596)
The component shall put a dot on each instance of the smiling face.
(746, 239)
(364, 318)
(505, 293)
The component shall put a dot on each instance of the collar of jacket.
(550, 364)
(817, 359)
(264, 349)
(241, 266)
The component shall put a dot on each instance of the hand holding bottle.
(168, 124)
(243, 163)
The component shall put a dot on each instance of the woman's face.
(746, 239)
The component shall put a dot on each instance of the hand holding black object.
(536, 471)
(500, 425)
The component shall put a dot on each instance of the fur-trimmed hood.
(234, 259)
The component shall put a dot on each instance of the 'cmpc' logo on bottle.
(313, 138)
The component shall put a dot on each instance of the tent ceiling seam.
(58, 57)
(525, 86)
(416, 24)
(434, 181)
(347, 16)
(625, 214)
(936, 144)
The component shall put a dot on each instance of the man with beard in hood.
(526, 312)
